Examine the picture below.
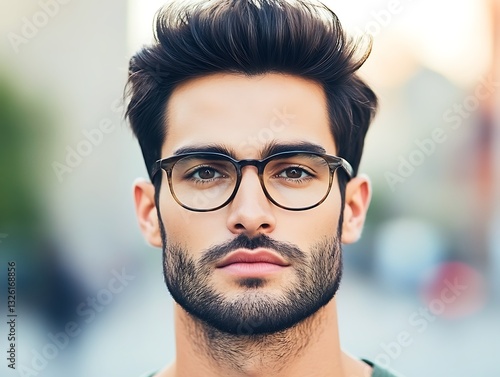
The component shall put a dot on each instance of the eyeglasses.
(293, 180)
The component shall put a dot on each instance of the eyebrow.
(204, 148)
(269, 149)
(306, 146)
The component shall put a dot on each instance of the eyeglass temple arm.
(156, 168)
(344, 165)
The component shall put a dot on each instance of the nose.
(250, 211)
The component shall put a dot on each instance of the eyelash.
(200, 181)
(296, 180)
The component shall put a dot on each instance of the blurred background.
(421, 290)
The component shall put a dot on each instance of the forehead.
(246, 114)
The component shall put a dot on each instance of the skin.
(231, 110)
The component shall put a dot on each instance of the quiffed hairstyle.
(250, 37)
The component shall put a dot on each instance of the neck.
(309, 348)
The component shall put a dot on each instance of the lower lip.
(252, 269)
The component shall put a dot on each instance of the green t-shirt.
(377, 371)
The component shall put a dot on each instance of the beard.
(253, 311)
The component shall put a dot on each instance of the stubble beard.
(317, 276)
(253, 328)
(254, 311)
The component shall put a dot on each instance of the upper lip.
(252, 256)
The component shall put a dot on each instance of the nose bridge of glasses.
(250, 162)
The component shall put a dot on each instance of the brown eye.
(293, 173)
(206, 173)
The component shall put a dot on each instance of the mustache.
(286, 250)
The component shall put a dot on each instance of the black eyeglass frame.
(167, 164)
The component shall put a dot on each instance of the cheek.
(308, 226)
(194, 230)
(304, 228)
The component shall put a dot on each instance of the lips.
(252, 256)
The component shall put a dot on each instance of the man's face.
(244, 115)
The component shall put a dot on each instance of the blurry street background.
(90, 294)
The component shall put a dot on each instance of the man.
(251, 121)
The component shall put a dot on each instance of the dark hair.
(250, 37)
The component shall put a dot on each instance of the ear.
(357, 199)
(145, 208)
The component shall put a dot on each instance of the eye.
(294, 172)
(206, 172)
